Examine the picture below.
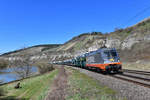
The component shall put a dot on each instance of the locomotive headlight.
(111, 60)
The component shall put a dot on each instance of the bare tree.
(23, 64)
(24, 61)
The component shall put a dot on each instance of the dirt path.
(58, 90)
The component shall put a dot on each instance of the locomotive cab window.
(113, 53)
(110, 54)
(107, 54)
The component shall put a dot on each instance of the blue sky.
(32, 22)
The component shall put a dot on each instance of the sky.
(25, 23)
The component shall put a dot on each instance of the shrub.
(1, 92)
(96, 33)
(3, 64)
(118, 30)
(44, 67)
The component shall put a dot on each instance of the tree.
(3, 63)
(118, 29)
(96, 33)
(44, 66)
(22, 64)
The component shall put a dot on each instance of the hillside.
(32, 50)
(131, 42)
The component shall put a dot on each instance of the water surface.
(8, 75)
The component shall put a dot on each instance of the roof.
(99, 50)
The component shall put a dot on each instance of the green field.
(82, 87)
(33, 88)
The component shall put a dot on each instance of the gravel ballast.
(125, 89)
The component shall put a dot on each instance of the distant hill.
(133, 43)
(33, 49)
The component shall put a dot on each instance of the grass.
(34, 88)
(80, 44)
(136, 66)
(82, 87)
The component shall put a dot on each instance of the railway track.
(136, 77)
(139, 80)
(133, 79)
(136, 72)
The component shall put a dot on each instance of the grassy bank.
(33, 88)
(82, 87)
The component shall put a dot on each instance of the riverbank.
(34, 88)
(63, 83)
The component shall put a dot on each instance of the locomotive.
(104, 59)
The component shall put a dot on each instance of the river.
(8, 75)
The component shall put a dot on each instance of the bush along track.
(83, 87)
(34, 88)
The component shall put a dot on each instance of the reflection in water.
(7, 75)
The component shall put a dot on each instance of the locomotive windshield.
(109, 54)
(113, 53)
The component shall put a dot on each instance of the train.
(104, 60)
